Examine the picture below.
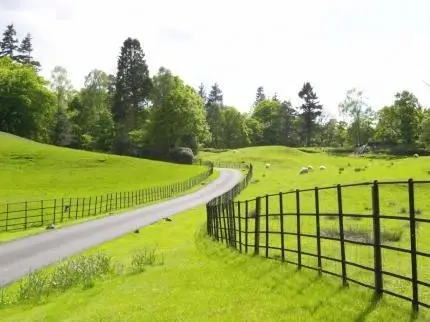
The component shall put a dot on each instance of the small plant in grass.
(33, 286)
(144, 257)
(402, 210)
(3, 296)
(391, 236)
(418, 211)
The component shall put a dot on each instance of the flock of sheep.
(303, 170)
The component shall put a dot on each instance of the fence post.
(101, 204)
(25, 215)
(41, 212)
(377, 239)
(107, 201)
(281, 219)
(341, 234)
(89, 206)
(240, 225)
(318, 229)
(233, 218)
(83, 206)
(299, 241)
(412, 225)
(76, 210)
(116, 201)
(246, 226)
(7, 216)
(257, 226)
(55, 209)
(70, 208)
(226, 224)
(62, 209)
(267, 226)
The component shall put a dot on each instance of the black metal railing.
(30, 214)
(375, 234)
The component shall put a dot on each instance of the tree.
(354, 106)
(177, 113)
(202, 92)
(61, 86)
(234, 134)
(215, 96)
(408, 111)
(25, 50)
(260, 96)
(311, 110)
(132, 90)
(425, 129)
(387, 129)
(26, 105)
(8, 45)
(61, 133)
(267, 113)
(215, 120)
(287, 131)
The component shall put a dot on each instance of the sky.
(378, 46)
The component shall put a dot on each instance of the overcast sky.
(380, 46)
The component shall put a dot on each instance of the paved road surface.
(18, 257)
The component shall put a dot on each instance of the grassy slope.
(32, 171)
(203, 281)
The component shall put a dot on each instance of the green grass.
(201, 280)
(13, 235)
(33, 171)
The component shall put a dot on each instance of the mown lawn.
(33, 171)
(201, 280)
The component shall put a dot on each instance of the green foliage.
(177, 112)
(311, 109)
(61, 134)
(143, 258)
(181, 155)
(9, 43)
(260, 96)
(132, 91)
(425, 129)
(26, 105)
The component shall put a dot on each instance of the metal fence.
(30, 214)
(375, 234)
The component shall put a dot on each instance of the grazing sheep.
(323, 167)
(267, 165)
(310, 168)
(416, 155)
(304, 171)
(51, 226)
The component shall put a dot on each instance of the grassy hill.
(201, 280)
(32, 171)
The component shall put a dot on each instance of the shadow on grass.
(369, 309)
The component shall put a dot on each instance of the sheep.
(267, 165)
(234, 151)
(416, 155)
(304, 170)
(310, 168)
(323, 167)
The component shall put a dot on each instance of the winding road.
(18, 257)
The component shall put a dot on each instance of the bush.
(143, 258)
(181, 155)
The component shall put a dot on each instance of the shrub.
(181, 155)
(33, 286)
(142, 258)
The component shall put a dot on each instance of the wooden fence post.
(318, 229)
(240, 225)
(62, 209)
(281, 219)
(412, 226)
(299, 241)
(341, 234)
(377, 240)
(41, 212)
(55, 209)
(246, 226)
(267, 226)
(257, 226)
(25, 216)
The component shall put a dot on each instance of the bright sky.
(380, 46)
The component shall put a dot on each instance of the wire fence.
(29, 214)
(375, 234)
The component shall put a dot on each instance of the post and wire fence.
(375, 234)
(30, 214)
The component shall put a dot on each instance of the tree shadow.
(369, 309)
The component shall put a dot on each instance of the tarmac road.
(18, 257)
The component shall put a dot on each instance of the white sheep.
(304, 171)
(267, 165)
(310, 168)
(323, 167)
(416, 155)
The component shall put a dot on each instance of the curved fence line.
(30, 214)
(326, 230)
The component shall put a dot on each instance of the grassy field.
(202, 280)
(33, 171)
